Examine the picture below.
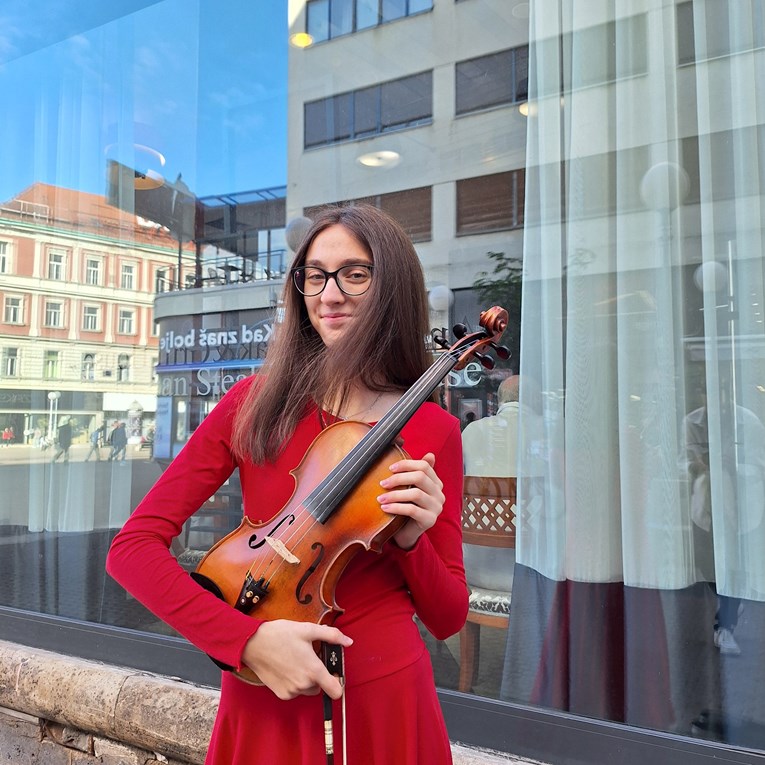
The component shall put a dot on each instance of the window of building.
(411, 208)
(123, 368)
(5, 265)
(490, 202)
(54, 313)
(400, 103)
(51, 365)
(10, 367)
(90, 318)
(13, 310)
(127, 276)
(327, 19)
(56, 260)
(616, 50)
(93, 268)
(704, 31)
(161, 281)
(494, 80)
(88, 367)
(126, 321)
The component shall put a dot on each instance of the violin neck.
(323, 500)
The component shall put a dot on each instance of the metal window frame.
(557, 738)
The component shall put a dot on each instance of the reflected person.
(490, 449)
(732, 474)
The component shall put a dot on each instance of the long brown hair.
(383, 349)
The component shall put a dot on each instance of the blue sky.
(203, 83)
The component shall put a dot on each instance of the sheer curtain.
(642, 304)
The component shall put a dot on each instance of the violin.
(288, 567)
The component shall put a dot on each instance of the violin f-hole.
(305, 600)
(254, 545)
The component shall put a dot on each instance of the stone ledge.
(135, 708)
(76, 705)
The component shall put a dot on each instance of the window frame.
(88, 367)
(161, 280)
(56, 270)
(98, 271)
(467, 86)
(8, 360)
(338, 112)
(126, 315)
(51, 365)
(7, 307)
(5, 256)
(487, 196)
(124, 367)
(96, 316)
(51, 313)
(319, 17)
(128, 276)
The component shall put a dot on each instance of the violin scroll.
(493, 323)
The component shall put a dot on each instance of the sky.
(195, 88)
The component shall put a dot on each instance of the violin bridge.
(281, 549)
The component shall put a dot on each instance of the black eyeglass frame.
(296, 272)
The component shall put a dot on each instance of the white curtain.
(643, 294)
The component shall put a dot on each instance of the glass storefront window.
(597, 170)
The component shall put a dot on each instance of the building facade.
(597, 168)
(78, 337)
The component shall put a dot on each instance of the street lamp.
(53, 398)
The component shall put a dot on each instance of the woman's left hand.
(414, 490)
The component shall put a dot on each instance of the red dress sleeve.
(140, 558)
(433, 568)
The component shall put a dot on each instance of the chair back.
(488, 517)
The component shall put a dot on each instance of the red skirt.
(394, 720)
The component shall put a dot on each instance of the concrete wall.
(59, 710)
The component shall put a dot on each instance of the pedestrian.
(350, 344)
(96, 438)
(119, 443)
(63, 440)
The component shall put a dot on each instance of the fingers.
(413, 489)
(283, 656)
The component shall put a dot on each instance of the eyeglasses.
(351, 280)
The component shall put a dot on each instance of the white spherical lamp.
(295, 232)
(440, 298)
(711, 276)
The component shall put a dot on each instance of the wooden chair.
(488, 519)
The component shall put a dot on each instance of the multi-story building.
(78, 280)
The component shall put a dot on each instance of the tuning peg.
(486, 361)
(459, 331)
(502, 351)
(437, 335)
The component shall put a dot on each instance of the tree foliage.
(503, 287)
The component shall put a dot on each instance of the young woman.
(351, 342)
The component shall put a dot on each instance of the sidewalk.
(21, 454)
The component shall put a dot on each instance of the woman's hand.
(282, 655)
(420, 497)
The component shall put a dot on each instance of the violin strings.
(345, 475)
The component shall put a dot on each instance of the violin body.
(288, 567)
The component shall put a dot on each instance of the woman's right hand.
(281, 653)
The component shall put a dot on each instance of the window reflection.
(143, 251)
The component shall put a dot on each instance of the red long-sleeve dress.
(392, 711)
